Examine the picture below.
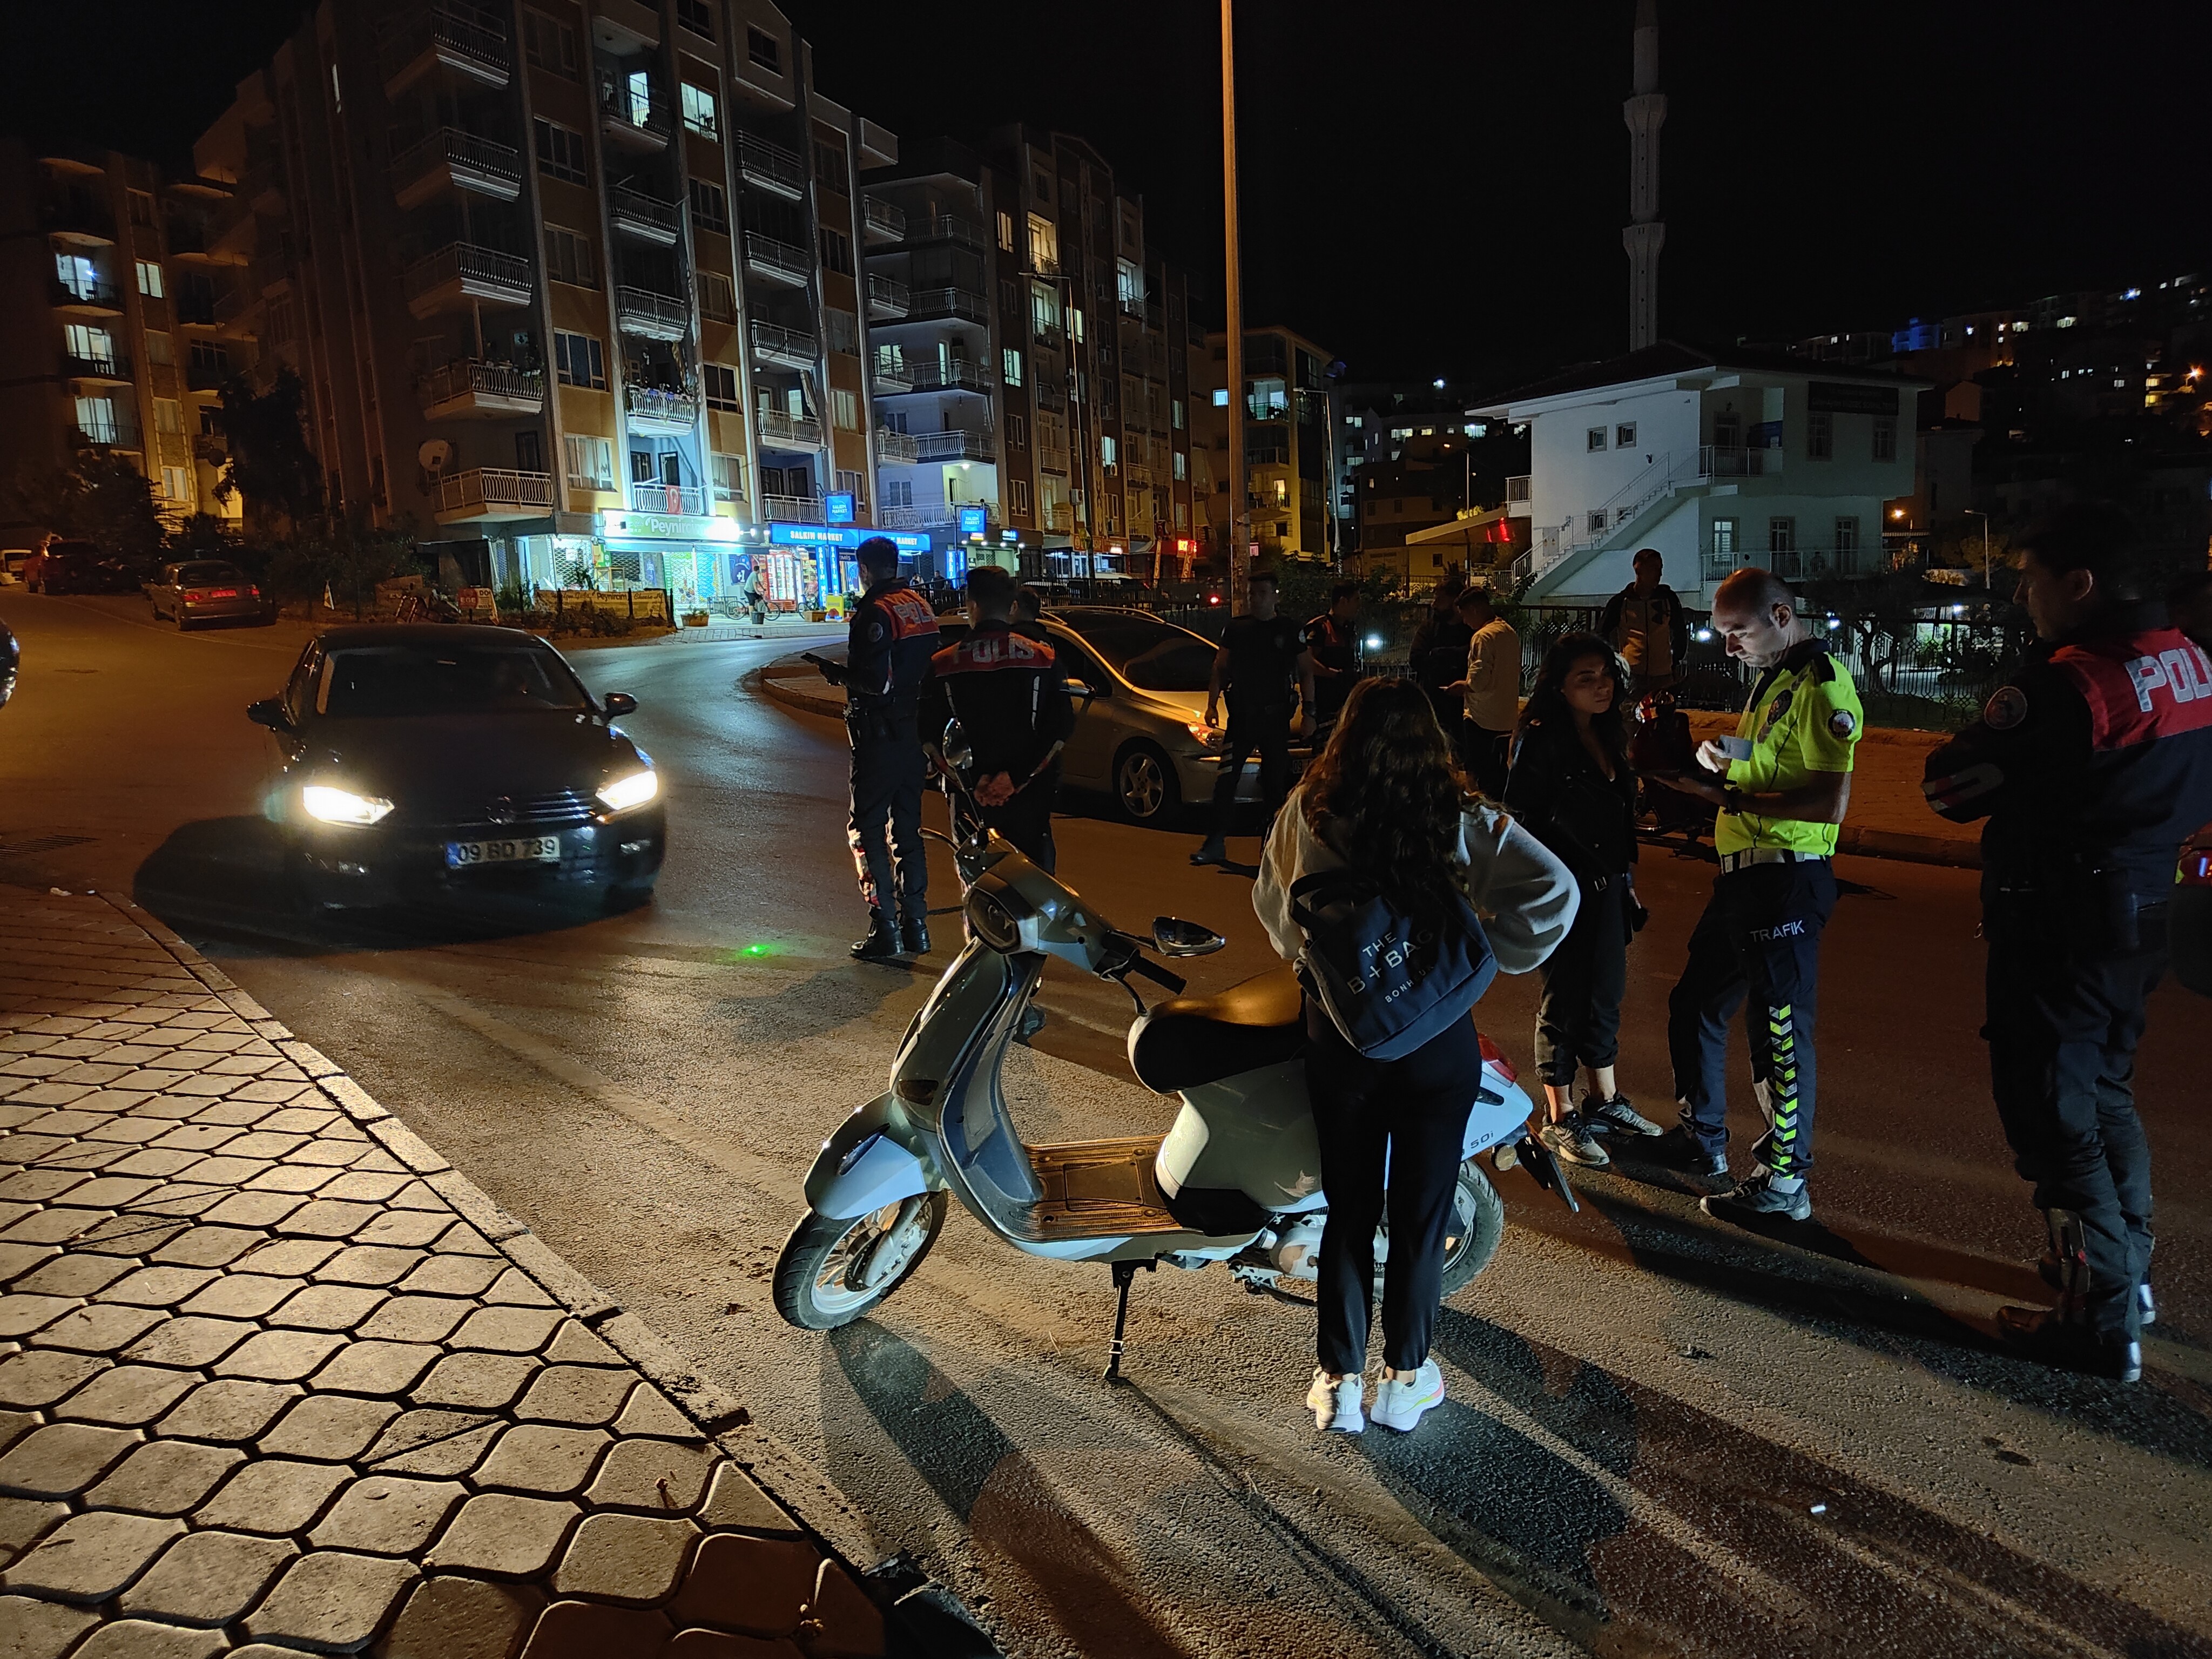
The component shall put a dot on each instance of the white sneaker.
(1335, 1405)
(1400, 1401)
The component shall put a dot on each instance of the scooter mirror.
(957, 750)
(1174, 937)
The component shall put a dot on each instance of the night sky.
(1438, 187)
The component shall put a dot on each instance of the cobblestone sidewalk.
(273, 1378)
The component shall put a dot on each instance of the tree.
(269, 462)
(101, 498)
(345, 555)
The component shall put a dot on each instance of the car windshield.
(393, 680)
(207, 572)
(1151, 656)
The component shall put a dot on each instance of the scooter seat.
(1188, 1041)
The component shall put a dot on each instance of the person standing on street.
(1011, 698)
(1572, 788)
(1438, 656)
(1490, 691)
(888, 642)
(1331, 640)
(2093, 767)
(1782, 784)
(1028, 614)
(1261, 664)
(1646, 623)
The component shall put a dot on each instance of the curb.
(936, 1624)
(777, 690)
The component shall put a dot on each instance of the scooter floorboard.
(1093, 1188)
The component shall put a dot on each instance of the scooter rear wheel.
(1478, 1225)
(833, 1271)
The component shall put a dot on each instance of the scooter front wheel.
(832, 1271)
(1478, 1225)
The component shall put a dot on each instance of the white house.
(1718, 460)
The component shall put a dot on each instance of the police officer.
(1010, 696)
(1333, 642)
(2092, 766)
(1782, 784)
(888, 643)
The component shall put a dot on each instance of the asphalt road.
(1664, 1436)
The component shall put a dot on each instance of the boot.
(1214, 852)
(881, 943)
(915, 930)
(2048, 1334)
(2050, 1270)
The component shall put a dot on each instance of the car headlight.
(334, 805)
(620, 794)
(1208, 736)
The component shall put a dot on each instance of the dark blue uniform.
(892, 635)
(1010, 696)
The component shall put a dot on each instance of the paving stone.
(453, 1275)
(90, 1556)
(224, 1172)
(331, 1427)
(579, 1629)
(328, 1307)
(242, 1294)
(508, 1330)
(416, 1319)
(165, 1477)
(573, 1344)
(208, 1577)
(140, 1638)
(480, 1382)
(62, 1459)
(280, 1355)
(735, 1499)
(14, 1426)
(499, 1533)
(195, 1137)
(42, 1376)
(335, 1151)
(110, 1192)
(369, 1264)
(58, 1225)
(41, 1629)
(415, 1195)
(132, 1234)
(72, 1275)
(208, 1247)
(300, 1120)
(433, 1442)
(260, 1143)
(515, 1288)
(461, 1239)
(365, 1188)
(24, 1521)
(239, 1113)
(660, 1475)
(102, 1329)
(292, 1258)
(383, 1515)
(40, 1186)
(191, 1340)
(649, 1413)
(153, 1161)
(625, 1557)
(256, 1209)
(331, 1600)
(20, 1315)
(295, 1178)
(537, 1457)
(277, 1495)
(584, 1396)
(233, 1410)
(700, 1643)
(383, 1368)
(755, 1586)
(454, 1618)
(127, 1396)
(329, 1219)
(160, 1287)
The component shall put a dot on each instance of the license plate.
(521, 849)
(224, 593)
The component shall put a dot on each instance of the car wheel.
(1146, 787)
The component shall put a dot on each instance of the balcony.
(462, 275)
(784, 348)
(1049, 396)
(1727, 461)
(687, 498)
(79, 216)
(934, 227)
(451, 159)
(789, 431)
(84, 299)
(895, 449)
(113, 431)
(962, 304)
(772, 167)
(1516, 497)
(888, 300)
(234, 314)
(209, 449)
(647, 218)
(193, 310)
(955, 446)
(884, 223)
(111, 369)
(782, 263)
(473, 389)
(464, 41)
(1052, 458)
(1058, 516)
(790, 509)
(888, 374)
(626, 26)
(484, 493)
(652, 316)
(208, 373)
(633, 116)
(659, 409)
(955, 374)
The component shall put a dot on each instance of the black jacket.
(1009, 692)
(888, 645)
(1561, 797)
(1665, 604)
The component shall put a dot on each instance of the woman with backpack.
(1385, 816)
(1572, 786)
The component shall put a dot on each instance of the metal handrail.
(770, 164)
(470, 31)
(954, 445)
(466, 375)
(897, 448)
(790, 509)
(891, 370)
(106, 295)
(645, 304)
(883, 216)
(774, 340)
(888, 295)
(661, 403)
(469, 262)
(449, 145)
(493, 486)
(789, 428)
(1516, 490)
(114, 366)
(936, 226)
(667, 498)
(646, 209)
(618, 102)
(963, 302)
(787, 258)
(958, 374)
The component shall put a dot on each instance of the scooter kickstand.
(1124, 1273)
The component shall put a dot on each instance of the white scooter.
(1236, 1179)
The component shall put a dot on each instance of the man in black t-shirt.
(1262, 664)
(1333, 641)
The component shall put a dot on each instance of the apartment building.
(107, 272)
(1290, 439)
(1029, 362)
(573, 287)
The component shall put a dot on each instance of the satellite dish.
(433, 454)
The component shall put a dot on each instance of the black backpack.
(1389, 979)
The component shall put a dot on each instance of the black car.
(439, 761)
(80, 567)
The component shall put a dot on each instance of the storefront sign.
(974, 521)
(837, 506)
(666, 527)
(822, 535)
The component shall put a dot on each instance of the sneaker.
(1400, 1401)
(1214, 852)
(1765, 1195)
(1678, 1148)
(2046, 1335)
(1616, 1115)
(1570, 1138)
(1335, 1405)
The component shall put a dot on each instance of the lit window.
(150, 279)
(1221, 396)
(699, 112)
(1010, 362)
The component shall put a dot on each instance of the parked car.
(206, 590)
(67, 568)
(423, 762)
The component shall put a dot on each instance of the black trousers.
(885, 829)
(2063, 1024)
(1266, 731)
(1758, 942)
(1407, 1117)
(1485, 755)
(1579, 1018)
(1025, 820)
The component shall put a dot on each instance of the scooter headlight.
(992, 921)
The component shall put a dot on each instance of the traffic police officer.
(889, 644)
(1787, 777)
(1008, 692)
(2092, 766)
(1332, 643)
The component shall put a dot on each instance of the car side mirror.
(1174, 937)
(618, 703)
(269, 711)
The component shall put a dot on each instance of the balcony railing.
(955, 446)
(194, 310)
(955, 375)
(945, 228)
(78, 213)
(667, 498)
(659, 404)
(465, 38)
(87, 296)
(1052, 458)
(644, 215)
(473, 380)
(479, 272)
(964, 303)
(655, 316)
(776, 427)
(790, 509)
(632, 116)
(466, 160)
(884, 223)
(114, 366)
(887, 298)
(895, 449)
(890, 374)
(1516, 490)
(483, 489)
(793, 348)
(771, 166)
(780, 261)
(1727, 461)
(233, 311)
(116, 432)
(1058, 515)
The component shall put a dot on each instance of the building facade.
(1290, 445)
(108, 271)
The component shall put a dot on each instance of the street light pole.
(1239, 504)
(1984, 518)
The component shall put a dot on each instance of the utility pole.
(1240, 507)
(1646, 113)
(1984, 518)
